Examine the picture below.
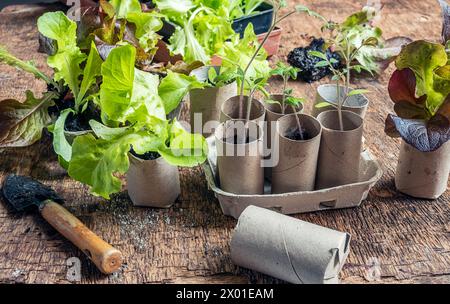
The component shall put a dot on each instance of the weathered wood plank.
(188, 243)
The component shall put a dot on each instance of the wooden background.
(189, 243)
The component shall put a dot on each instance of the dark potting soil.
(74, 123)
(146, 156)
(80, 122)
(300, 58)
(295, 134)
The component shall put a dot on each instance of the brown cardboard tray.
(346, 196)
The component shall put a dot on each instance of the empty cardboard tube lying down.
(288, 249)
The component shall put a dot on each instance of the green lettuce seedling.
(134, 105)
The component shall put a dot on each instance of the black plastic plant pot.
(261, 20)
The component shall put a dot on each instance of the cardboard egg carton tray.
(346, 196)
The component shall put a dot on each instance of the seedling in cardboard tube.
(354, 39)
(277, 5)
(287, 72)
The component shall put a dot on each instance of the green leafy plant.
(342, 79)
(201, 27)
(288, 99)
(241, 8)
(66, 63)
(246, 54)
(131, 105)
(420, 89)
(353, 39)
(135, 104)
(286, 72)
(246, 75)
(358, 32)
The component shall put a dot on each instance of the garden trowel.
(23, 192)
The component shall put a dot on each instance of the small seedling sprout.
(287, 72)
(348, 39)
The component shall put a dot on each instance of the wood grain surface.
(189, 243)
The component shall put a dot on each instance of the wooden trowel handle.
(105, 257)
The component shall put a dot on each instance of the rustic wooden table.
(189, 243)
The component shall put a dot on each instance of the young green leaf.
(95, 162)
(60, 143)
(145, 97)
(321, 64)
(174, 87)
(187, 150)
(357, 92)
(117, 86)
(57, 26)
(124, 7)
(147, 25)
(66, 62)
(107, 133)
(323, 105)
(318, 55)
(174, 8)
(92, 70)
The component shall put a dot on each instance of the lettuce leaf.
(145, 101)
(185, 43)
(21, 123)
(91, 71)
(425, 136)
(126, 89)
(174, 8)
(174, 87)
(66, 62)
(125, 7)
(185, 149)
(402, 90)
(117, 86)
(147, 25)
(237, 53)
(60, 143)
(425, 59)
(95, 161)
(28, 67)
(201, 27)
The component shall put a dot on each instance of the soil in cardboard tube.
(296, 134)
(146, 156)
(300, 58)
(78, 122)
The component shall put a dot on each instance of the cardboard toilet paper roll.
(288, 249)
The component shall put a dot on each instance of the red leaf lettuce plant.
(420, 89)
